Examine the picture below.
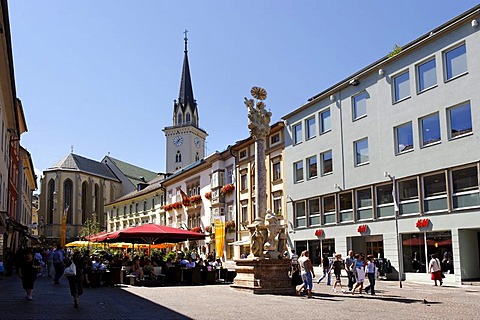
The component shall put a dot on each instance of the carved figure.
(256, 242)
(273, 229)
(258, 117)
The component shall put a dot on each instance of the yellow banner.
(219, 223)
(63, 234)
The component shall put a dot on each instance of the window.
(430, 127)
(298, 171)
(297, 133)
(178, 157)
(310, 127)
(179, 118)
(435, 192)
(329, 209)
(427, 75)
(360, 105)
(325, 124)
(275, 139)
(404, 138)
(385, 200)
(456, 62)
(244, 213)
(229, 177)
(312, 167)
(346, 206)
(465, 188)
(401, 86)
(187, 118)
(243, 182)
(361, 151)
(408, 196)
(153, 203)
(364, 204)
(243, 153)
(300, 219)
(277, 171)
(314, 212)
(460, 120)
(277, 205)
(327, 165)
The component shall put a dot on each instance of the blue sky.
(102, 75)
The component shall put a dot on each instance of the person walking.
(337, 267)
(359, 265)
(75, 281)
(371, 273)
(350, 269)
(435, 269)
(307, 273)
(28, 273)
(58, 263)
(326, 269)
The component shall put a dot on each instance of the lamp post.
(396, 209)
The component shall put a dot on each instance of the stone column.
(260, 180)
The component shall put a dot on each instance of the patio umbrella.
(80, 243)
(153, 233)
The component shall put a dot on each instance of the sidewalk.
(413, 301)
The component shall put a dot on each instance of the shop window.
(408, 196)
(329, 209)
(364, 204)
(385, 206)
(435, 192)
(314, 212)
(465, 188)
(346, 206)
(300, 218)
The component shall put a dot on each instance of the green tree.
(91, 226)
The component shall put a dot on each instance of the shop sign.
(422, 223)
(362, 228)
(319, 232)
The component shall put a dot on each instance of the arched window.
(178, 157)
(84, 202)
(179, 118)
(50, 203)
(187, 118)
(97, 200)
(67, 199)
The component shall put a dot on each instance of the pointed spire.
(186, 91)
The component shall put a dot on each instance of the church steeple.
(185, 108)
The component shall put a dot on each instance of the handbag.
(70, 271)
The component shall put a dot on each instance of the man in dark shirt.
(350, 269)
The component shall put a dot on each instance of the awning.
(32, 237)
(240, 243)
(17, 225)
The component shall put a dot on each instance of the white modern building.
(386, 162)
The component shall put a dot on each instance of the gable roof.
(135, 174)
(74, 162)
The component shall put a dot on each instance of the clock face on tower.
(198, 143)
(177, 141)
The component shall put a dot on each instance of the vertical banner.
(219, 223)
(63, 233)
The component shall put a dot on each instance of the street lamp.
(396, 209)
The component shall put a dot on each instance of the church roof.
(135, 174)
(185, 96)
(74, 162)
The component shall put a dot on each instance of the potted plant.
(228, 188)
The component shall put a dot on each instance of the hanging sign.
(422, 223)
(362, 228)
(319, 232)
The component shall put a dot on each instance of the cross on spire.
(185, 39)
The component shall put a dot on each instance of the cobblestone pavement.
(221, 302)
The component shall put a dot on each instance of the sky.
(101, 76)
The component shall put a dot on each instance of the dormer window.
(179, 118)
(187, 118)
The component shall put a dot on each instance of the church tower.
(185, 140)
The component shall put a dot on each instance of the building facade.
(386, 162)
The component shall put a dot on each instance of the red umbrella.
(153, 233)
(93, 237)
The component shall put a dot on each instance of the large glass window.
(300, 218)
(327, 164)
(312, 167)
(297, 133)
(460, 120)
(455, 62)
(314, 212)
(298, 171)
(329, 209)
(427, 75)
(346, 206)
(364, 204)
(243, 181)
(360, 105)
(325, 124)
(310, 127)
(385, 206)
(435, 192)
(361, 151)
(277, 171)
(430, 127)
(401, 86)
(404, 138)
(408, 196)
(465, 187)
